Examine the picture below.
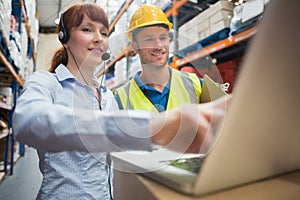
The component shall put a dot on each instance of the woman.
(73, 121)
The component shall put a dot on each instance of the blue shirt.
(60, 117)
(159, 99)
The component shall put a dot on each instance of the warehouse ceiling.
(49, 10)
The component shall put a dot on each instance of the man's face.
(152, 44)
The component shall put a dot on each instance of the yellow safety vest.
(184, 88)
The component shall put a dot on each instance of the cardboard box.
(219, 26)
(217, 7)
(222, 15)
(204, 34)
(203, 25)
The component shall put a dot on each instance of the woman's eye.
(86, 30)
(105, 34)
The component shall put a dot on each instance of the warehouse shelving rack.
(216, 47)
(11, 78)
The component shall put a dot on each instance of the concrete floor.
(25, 181)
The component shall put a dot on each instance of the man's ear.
(135, 47)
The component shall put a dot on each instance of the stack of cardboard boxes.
(215, 18)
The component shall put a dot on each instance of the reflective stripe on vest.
(184, 88)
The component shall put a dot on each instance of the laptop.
(260, 135)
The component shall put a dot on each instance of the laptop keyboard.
(190, 164)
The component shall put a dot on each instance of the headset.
(63, 35)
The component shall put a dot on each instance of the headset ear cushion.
(60, 35)
(63, 37)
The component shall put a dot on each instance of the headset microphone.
(105, 56)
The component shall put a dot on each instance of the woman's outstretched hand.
(188, 127)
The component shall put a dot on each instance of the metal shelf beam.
(124, 8)
(10, 68)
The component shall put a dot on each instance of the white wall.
(47, 45)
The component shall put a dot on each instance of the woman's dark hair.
(73, 18)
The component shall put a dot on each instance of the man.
(157, 87)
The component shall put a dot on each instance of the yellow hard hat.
(147, 15)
